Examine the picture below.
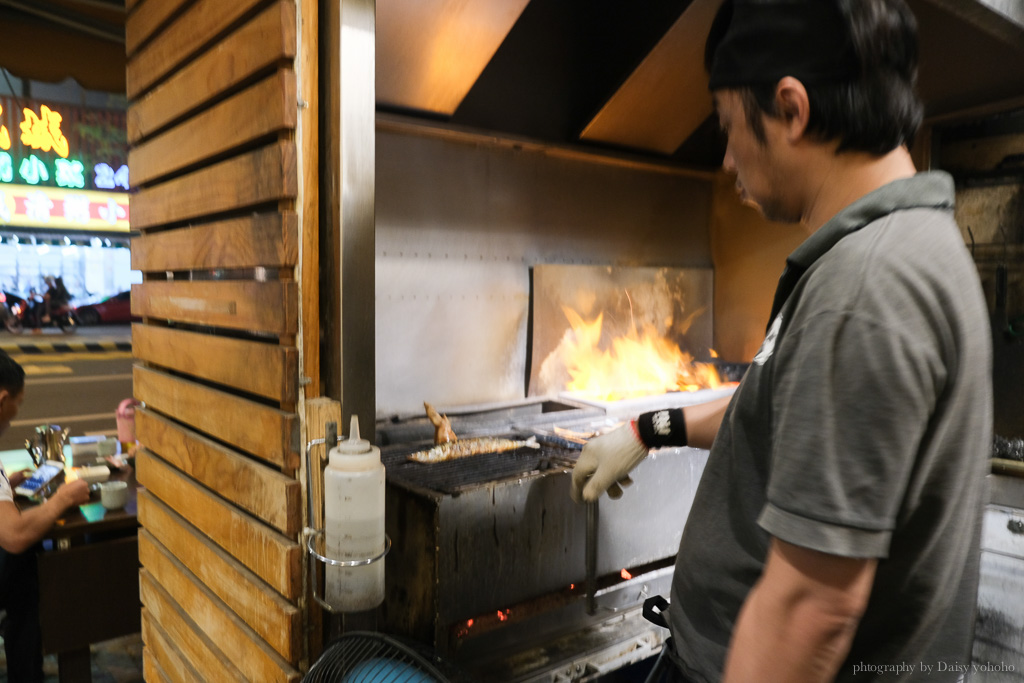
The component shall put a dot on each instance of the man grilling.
(835, 533)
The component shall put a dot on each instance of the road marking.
(65, 357)
(68, 380)
(109, 415)
(31, 370)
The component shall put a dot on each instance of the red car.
(116, 309)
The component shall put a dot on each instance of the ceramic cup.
(113, 494)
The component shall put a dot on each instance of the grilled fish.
(467, 447)
(442, 426)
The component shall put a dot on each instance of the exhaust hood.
(629, 77)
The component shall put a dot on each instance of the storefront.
(64, 198)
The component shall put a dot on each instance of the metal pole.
(349, 193)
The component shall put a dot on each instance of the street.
(79, 390)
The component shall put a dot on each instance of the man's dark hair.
(875, 112)
(12, 375)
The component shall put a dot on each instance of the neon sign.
(5, 135)
(32, 170)
(107, 178)
(69, 173)
(88, 155)
(43, 132)
(30, 206)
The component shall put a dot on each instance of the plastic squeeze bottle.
(354, 523)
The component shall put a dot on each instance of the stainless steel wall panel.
(464, 218)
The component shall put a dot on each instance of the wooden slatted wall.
(222, 130)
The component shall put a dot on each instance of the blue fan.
(378, 670)
(364, 657)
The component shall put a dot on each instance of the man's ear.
(793, 107)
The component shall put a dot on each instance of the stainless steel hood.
(629, 76)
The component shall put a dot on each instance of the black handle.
(656, 618)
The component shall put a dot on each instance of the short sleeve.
(6, 494)
(851, 401)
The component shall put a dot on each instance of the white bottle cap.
(354, 452)
(353, 444)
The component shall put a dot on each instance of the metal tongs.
(591, 559)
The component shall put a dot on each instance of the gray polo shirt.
(861, 429)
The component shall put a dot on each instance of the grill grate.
(453, 476)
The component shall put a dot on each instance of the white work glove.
(605, 464)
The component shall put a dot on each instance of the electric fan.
(366, 657)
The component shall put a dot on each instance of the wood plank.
(264, 175)
(271, 556)
(277, 621)
(165, 654)
(308, 142)
(237, 304)
(265, 432)
(258, 240)
(264, 369)
(142, 23)
(256, 488)
(189, 32)
(195, 646)
(269, 38)
(319, 411)
(242, 646)
(151, 670)
(260, 110)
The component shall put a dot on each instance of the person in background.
(20, 535)
(56, 296)
(835, 532)
(33, 308)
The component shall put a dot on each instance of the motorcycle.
(18, 316)
(9, 309)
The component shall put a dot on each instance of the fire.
(637, 364)
(502, 616)
(626, 575)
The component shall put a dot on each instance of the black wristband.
(662, 428)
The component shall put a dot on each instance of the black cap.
(755, 42)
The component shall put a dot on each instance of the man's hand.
(73, 493)
(18, 478)
(605, 463)
(20, 530)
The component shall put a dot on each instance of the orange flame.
(636, 365)
(626, 575)
(502, 616)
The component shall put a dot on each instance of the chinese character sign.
(107, 178)
(60, 146)
(70, 173)
(43, 132)
(34, 206)
(5, 135)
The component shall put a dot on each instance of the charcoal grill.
(488, 561)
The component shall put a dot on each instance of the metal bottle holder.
(315, 541)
